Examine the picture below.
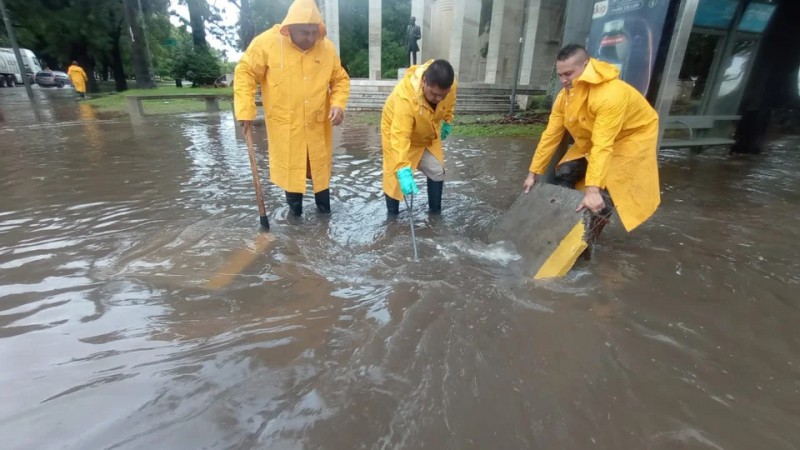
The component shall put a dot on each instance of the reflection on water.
(141, 308)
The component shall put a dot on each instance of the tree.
(394, 20)
(354, 37)
(198, 13)
(140, 49)
(257, 16)
(62, 31)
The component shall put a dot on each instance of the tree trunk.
(142, 64)
(197, 12)
(120, 83)
(88, 64)
(247, 31)
(773, 84)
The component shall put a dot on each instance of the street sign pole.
(13, 38)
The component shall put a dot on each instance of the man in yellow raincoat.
(415, 120)
(78, 78)
(616, 134)
(305, 90)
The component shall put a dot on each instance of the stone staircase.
(370, 95)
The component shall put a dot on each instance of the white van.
(29, 59)
(9, 70)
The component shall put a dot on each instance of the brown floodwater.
(327, 334)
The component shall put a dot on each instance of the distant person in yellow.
(416, 118)
(78, 78)
(305, 90)
(616, 134)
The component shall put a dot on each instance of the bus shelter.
(691, 58)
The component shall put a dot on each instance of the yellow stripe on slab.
(565, 255)
(238, 262)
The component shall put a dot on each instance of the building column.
(577, 22)
(464, 40)
(330, 15)
(418, 11)
(529, 44)
(495, 36)
(375, 39)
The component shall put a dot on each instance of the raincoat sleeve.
(252, 68)
(451, 107)
(340, 85)
(400, 133)
(83, 74)
(609, 113)
(551, 137)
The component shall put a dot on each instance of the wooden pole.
(262, 212)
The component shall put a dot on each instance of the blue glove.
(446, 129)
(407, 183)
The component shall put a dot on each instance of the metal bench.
(137, 111)
(696, 127)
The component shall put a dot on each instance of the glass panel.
(694, 74)
(798, 82)
(756, 17)
(734, 77)
(715, 13)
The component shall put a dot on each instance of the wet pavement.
(328, 335)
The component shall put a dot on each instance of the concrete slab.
(544, 229)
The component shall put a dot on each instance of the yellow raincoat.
(616, 129)
(77, 77)
(298, 89)
(409, 125)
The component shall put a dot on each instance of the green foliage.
(393, 56)
(354, 37)
(199, 65)
(486, 16)
(257, 16)
(228, 66)
(395, 18)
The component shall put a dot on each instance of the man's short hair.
(440, 73)
(570, 50)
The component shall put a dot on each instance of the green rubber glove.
(446, 130)
(407, 183)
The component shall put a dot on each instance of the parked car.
(50, 78)
(224, 81)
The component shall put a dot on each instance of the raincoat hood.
(597, 72)
(412, 81)
(303, 12)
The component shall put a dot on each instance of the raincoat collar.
(303, 12)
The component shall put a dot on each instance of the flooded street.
(141, 308)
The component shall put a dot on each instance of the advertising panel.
(626, 33)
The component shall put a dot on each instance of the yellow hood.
(303, 12)
(597, 72)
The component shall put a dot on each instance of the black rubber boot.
(295, 202)
(392, 206)
(323, 200)
(435, 196)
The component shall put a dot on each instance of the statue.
(413, 34)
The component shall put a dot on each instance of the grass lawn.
(526, 125)
(469, 124)
(117, 102)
